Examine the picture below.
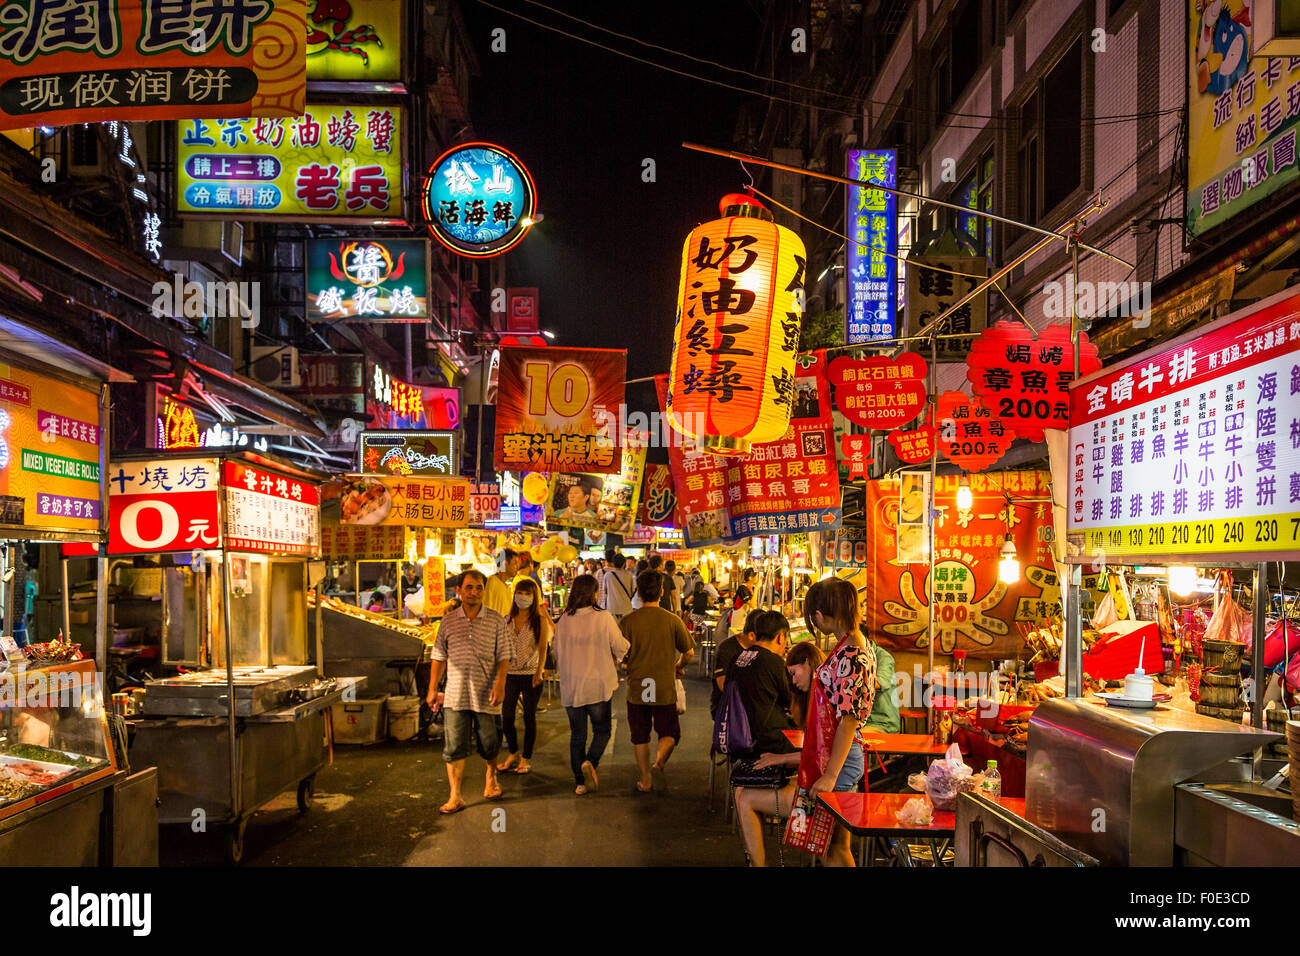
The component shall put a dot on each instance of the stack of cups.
(1293, 747)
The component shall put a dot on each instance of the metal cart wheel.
(235, 842)
(306, 790)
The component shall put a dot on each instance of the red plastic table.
(875, 816)
(904, 744)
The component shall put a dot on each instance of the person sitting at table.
(884, 712)
(760, 674)
(726, 654)
(843, 689)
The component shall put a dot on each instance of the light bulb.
(1182, 579)
(965, 498)
(1009, 565)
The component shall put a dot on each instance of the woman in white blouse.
(588, 646)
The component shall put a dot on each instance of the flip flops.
(448, 812)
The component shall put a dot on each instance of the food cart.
(244, 715)
(66, 796)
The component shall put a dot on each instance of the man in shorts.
(656, 638)
(474, 647)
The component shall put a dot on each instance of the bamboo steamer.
(1232, 714)
(1293, 745)
(1223, 656)
(1221, 680)
(1225, 697)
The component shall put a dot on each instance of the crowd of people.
(494, 647)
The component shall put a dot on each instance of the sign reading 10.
(564, 389)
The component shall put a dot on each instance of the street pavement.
(377, 806)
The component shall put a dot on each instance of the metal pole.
(1257, 672)
(67, 612)
(929, 578)
(101, 609)
(1073, 649)
(410, 371)
(230, 690)
(482, 403)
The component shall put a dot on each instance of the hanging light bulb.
(1009, 566)
(1182, 580)
(965, 499)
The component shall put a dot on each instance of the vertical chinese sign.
(49, 452)
(381, 280)
(873, 235)
(1242, 113)
(69, 62)
(1194, 449)
(168, 504)
(330, 163)
(932, 291)
(555, 409)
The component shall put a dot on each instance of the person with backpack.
(617, 589)
(758, 679)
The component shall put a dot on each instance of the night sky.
(608, 256)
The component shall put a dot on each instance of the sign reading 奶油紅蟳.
(340, 162)
(479, 199)
(65, 62)
(380, 280)
(1193, 449)
(873, 241)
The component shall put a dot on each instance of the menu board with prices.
(269, 512)
(340, 542)
(1194, 450)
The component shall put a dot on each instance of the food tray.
(58, 771)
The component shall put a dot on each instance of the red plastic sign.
(969, 436)
(915, 446)
(164, 505)
(857, 452)
(1025, 381)
(879, 392)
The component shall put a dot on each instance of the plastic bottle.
(992, 785)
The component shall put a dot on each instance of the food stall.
(240, 714)
(66, 796)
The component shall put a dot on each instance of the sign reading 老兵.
(49, 452)
(329, 163)
(873, 241)
(555, 408)
(269, 512)
(406, 452)
(64, 62)
(355, 41)
(1241, 115)
(170, 504)
(1193, 449)
(479, 199)
(379, 280)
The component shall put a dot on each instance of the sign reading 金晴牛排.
(65, 62)
(331, 162)
(1194, 449)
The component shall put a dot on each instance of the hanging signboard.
(521, 310)
(556, 409)
(478, 200)
(915, 446)
(66, 63)
(1193, 449)
(343, 542)
(415, 502)
(873, 242)
(406, 452)
(856, 450)
(600, 502)
(49, 452)
(356, 41)
(658, 499)
(967, 434)
(484, 504)
(879, 392)
(933, 291)
(270, 512)
(1024, 380)
(1241, 125)
(329, 164)
(170, 504)
(851, 549)
(375, 280)
(975, 611)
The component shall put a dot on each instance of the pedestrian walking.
(474, 648)
(618, 589)
(500, 586)
(656, 638)
(530, 632)
(588, 646)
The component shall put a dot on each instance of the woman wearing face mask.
(531, 632)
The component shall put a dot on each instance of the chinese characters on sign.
(269, 512)
(555, 408)
(931, 292)
(605, 503)
(361, 543)
(164, 505)
(914, 446)
(331, 162)
(415, 502)
(873, 243)
(879, 392)
(968, 435)
(478, 199)
(1195, 449)
(84, 61)
(658, 500)
(1242, 115)
(379, 280)
(856, 450)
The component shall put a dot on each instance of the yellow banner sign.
(414, 502)
(355, 41)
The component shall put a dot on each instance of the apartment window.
(977, 193)
(958, 56)
(1050, 150)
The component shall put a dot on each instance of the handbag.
(731, 731)
(811, 823)
(745, 774)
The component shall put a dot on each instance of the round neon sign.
(479, 199)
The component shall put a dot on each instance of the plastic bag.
(810, 824)
(1229, 623)
(947, 778)
(917, 812)
(681, 696)
(1105, 614)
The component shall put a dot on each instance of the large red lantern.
(740, 306)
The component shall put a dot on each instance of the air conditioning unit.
(276, 366)
(232, 241)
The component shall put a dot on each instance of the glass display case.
(53, 734)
